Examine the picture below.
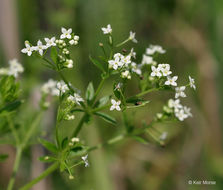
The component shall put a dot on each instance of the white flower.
(115, 63)
(136, 68)
(126, 74)
(74, 41)
(187, 111)
(40, 47)
(62, 86)
(153, 49)
(15, 68)
(115, 105)
(155, 72)
(165, 68)
(76, 98)
(192, 83)
(180, 92)
(28, 49)
(50, 42)
(147, 60)
(75, 139)
(171, 81)
(132, 53)
(132, 36)
(126, 60)
(107, 30)
(66, 33)
(118, 55)
(69, 63)
(180, 114)
(50, 88)
(175, 104)
(84, 158)
(163, 136)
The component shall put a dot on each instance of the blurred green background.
(192, 33)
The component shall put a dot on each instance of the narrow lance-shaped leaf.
(53, 54)
(106, 117)
(48, 145)
(97, 64)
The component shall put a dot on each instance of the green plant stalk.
(32, 128)
(79, 126)
(98, 89)
(147, 91)
(54, 166)
(48, 171)
(12, 127)
(65, 80)
(15, 167)
(122, 43)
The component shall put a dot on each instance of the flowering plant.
(68, 152)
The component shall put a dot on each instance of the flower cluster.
(67, 38)
(13, 70)
(85, 160)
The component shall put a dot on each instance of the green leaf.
(139, 104)
(97, 64)
(3, 157)
(89, 92)
(10, 107)
(48, 145)
(101, 102)
(106, 117)
(77, 151)
(140, 139)
(53, 54)
(64, 142)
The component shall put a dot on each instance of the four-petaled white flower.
(40, 47)
(165, 68)
(180, 92)
(84, 158)
(175, 104)
(28, 49)
(50, 42)
(62, 86)
(115, 63)
(187, 111)
(66, 33)
(180, 114)
(115, 105)
(107, 30)
(171, 81)
(156, 72)
(76, 98)
(192, 83)
(132, 36)
(15, 68)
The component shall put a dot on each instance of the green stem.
(12, 127)
(100, 108)
(147, 91)
(98, 89)
(109, 142)
(48, 171)
(122, 43)
(32, 128)
(79, 126)
(15, 168)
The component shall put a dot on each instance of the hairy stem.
(15, 168)
(48, 171)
